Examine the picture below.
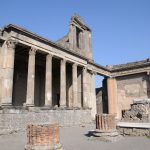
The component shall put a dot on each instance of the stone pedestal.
(43, 137)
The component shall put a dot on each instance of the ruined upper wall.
(129, 65)
(130, 88)
(79, 37)
(129, 68)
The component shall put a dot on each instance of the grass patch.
(148, 137)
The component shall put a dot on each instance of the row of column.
(6, 99)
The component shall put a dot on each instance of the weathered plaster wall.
(130, 88)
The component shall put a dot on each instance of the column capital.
(49, 55)
(84, 69)
(11, 44)
(93, 72)
(63, 60)
(32, 51)
(74, 64)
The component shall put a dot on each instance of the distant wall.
(132, 87)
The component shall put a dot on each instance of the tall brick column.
(7, 65)
(63, 83)
(74, 85)
(31, 78)
(85, 91)
(48, 81)
(112, 96)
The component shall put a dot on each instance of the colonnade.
(7, 83)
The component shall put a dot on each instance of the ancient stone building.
(40, 78)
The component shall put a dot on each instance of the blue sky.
(120, 28)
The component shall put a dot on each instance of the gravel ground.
(77, 138)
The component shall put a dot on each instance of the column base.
(46, 107)
(63, 107)
(29, 105)
(85, 108)
(6, 105)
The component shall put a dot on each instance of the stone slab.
(133, 125)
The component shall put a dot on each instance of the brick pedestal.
(105, 122)
(43, 137)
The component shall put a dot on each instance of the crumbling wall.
(139, 112)
(132, 87)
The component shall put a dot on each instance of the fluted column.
(31, 78)
(74, 85)
(48, 81)
(63, 83)
(112, 95)
(85, 90)
(8, 57)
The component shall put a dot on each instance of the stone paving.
(77, 138)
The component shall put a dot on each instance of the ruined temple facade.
(58, 78)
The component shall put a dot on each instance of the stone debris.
(139, 112)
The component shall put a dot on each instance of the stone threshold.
(142, 125)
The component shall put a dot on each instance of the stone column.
(112, 95)
(31, 78)
(48, 81)
(63, 83)
(85, 89)
(8, 56)
(74, 85)
(0, 73)
(93, 95)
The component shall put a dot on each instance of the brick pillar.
(7, 65)
(31, 78)
(74, 85)
(85, 89)
(112, 96)
(105, 122)
(48, 81)
(63, 83)
(43, 137)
